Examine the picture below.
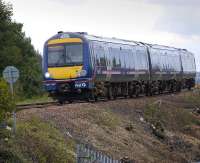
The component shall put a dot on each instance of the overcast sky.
(168, 22)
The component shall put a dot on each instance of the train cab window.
(65, 55)
(74, 54)
(56, 56)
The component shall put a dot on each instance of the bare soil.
(122, 128)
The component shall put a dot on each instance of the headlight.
(82, 73)
(47, 75)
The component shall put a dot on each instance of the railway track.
(35, 105)
(53, 103)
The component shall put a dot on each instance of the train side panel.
(118, 62)
(166, 64)
(189, 68)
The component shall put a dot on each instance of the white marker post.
(11, 75)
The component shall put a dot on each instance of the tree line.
(16, 49)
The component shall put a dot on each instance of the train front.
(66, 66)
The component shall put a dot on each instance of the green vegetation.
(35, 99)
(104, 118)
(16, 50)
(154, 114)
(169, 117)
(36, 141)
(193, 98)
(6, 102)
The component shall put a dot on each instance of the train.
(77, 65)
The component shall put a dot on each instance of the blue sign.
(11, 74)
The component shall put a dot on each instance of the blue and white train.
(81, 66)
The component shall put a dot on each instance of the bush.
(169, 117)
(37, 141)
(153, 114)
(9, 157)
(6, 103)
(192, 98)
(41, 142)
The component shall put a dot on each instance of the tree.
(16, 50)
(6, 102)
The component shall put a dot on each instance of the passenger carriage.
(81, 66)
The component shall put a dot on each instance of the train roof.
(129, 42)
(111, 40)
(86, 36)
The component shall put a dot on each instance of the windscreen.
(65, 55)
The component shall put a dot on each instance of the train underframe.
(113, 90)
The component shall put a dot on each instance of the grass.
(36, 141)
(153, 114)
(104, 118)
(37, 99)
(192, 97)
(170, 117)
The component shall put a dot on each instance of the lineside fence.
(87, 154)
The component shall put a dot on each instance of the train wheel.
(189, 83)
(114, 92)
(125, 91)
(146, 89)
(137, 90)
(150, 90)
(96, 98)
(70, 101)
(178, 86)
(114, 97)
(110, 93)
(61, 100)
(90, 96)
(173, 86)
(131, 95)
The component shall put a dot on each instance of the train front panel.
(66, 66)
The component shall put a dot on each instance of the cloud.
(180, 17)
(194, 3)
(176, 16)
(168, 22)
(180, 20)
(70, 2)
